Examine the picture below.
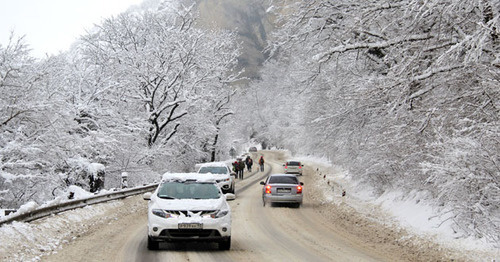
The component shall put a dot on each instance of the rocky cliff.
(252, 23)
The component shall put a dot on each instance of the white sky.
(51, 26)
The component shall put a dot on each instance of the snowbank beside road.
(415, 212)
(30, 241)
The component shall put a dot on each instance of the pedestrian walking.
(249, 163)
(235, 168)
(261, 163)
(241, 168)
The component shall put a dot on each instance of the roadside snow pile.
(28, 207)
(29, 241)
(72, 192)
(95, 168)
(76, 192)
(415, 212)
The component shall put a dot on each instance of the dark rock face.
(252, 23)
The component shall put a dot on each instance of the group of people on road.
(239, 166)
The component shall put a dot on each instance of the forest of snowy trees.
(401, 94)
(142, 92)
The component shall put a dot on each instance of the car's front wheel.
(225, 244)
(152, 244)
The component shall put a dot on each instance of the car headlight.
(219, 214)
(161, 213)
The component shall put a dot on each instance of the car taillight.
(299, 189)
(268, 189)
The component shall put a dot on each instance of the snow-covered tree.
(142, 92)
(167, 71)
(392, 91)
(33, 124)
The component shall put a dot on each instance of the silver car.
(282, 188)
(293, 167)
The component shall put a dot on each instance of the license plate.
(191, 226)
(283, 190)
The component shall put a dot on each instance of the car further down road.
(282, 188)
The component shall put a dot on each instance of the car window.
(188, 190)
(294, 163)
(213, 170)
(283, 180)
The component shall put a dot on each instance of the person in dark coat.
(249, 163)
(261, 163)
(241, 168)
(235, 168)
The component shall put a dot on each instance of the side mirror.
(262, 183)
(283, 164)
(233, 174)
(147, 196)
(301, 183)
(230, 196)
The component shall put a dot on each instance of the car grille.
(190, 213)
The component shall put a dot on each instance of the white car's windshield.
(213, 170)
(188, 190)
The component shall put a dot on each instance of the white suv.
(186, 207)
(221, 173)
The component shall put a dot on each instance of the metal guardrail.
(74, 204)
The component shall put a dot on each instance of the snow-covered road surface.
(317, 231)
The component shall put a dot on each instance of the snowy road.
(310, 233)
(261, 234)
